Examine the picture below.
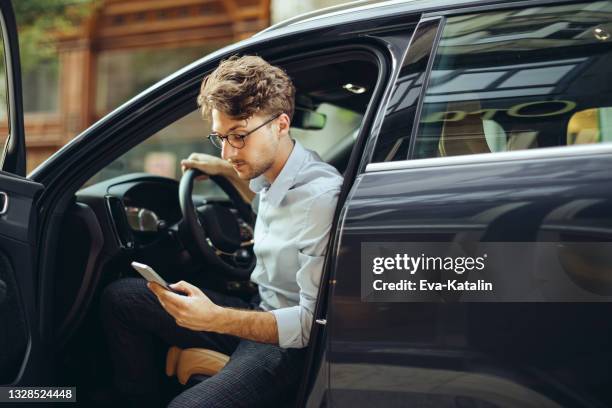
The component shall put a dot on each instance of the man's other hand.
(194, 311)
(208, 164)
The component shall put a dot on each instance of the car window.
(161, 153)
(519, 79)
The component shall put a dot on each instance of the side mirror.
(308, 119)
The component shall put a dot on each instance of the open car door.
(20, 348)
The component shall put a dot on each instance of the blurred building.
(124, 47)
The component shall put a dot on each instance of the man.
(251, 104)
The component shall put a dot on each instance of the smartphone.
(150, 275)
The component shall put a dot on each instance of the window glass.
(519, 79)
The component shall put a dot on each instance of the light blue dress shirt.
(294, 216)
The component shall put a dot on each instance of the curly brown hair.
(242, 86)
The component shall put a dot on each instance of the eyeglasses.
(236, 140)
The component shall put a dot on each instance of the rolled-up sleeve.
(294, 323)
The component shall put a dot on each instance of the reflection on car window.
(519, 79)
(590, 126)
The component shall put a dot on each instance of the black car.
(477, 125)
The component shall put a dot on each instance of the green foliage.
(38, 20)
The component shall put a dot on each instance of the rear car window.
(519, 79)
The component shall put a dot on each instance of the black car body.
(472, 131)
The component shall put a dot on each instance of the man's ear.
(283, 124)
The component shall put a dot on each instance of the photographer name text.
(412, 265)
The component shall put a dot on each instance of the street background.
(83, 58)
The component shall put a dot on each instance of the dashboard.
(138, 210)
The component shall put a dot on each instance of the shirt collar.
(285, 179)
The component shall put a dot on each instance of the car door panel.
(17, 257)
(14, 340)
(565, 345)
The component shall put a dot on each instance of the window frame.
(427, 76)
(381, 113)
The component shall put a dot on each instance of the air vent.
(122, 230)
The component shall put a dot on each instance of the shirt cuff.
(289, 327)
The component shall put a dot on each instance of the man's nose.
(227, 150)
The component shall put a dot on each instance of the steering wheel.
(212, 231)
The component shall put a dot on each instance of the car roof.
(364, 9)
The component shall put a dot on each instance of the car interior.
(124, 216)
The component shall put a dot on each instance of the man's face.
(260, 148)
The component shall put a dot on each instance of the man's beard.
(256, 170)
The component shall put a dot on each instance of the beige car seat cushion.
(187, 362)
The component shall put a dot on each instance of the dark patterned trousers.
(139, 332)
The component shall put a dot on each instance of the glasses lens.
(216, 141)
(236, 141)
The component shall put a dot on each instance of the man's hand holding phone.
(193, 311)
(187, 304)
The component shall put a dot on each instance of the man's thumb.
(184, 287)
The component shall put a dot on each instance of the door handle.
(4, 201)
(322, 322)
